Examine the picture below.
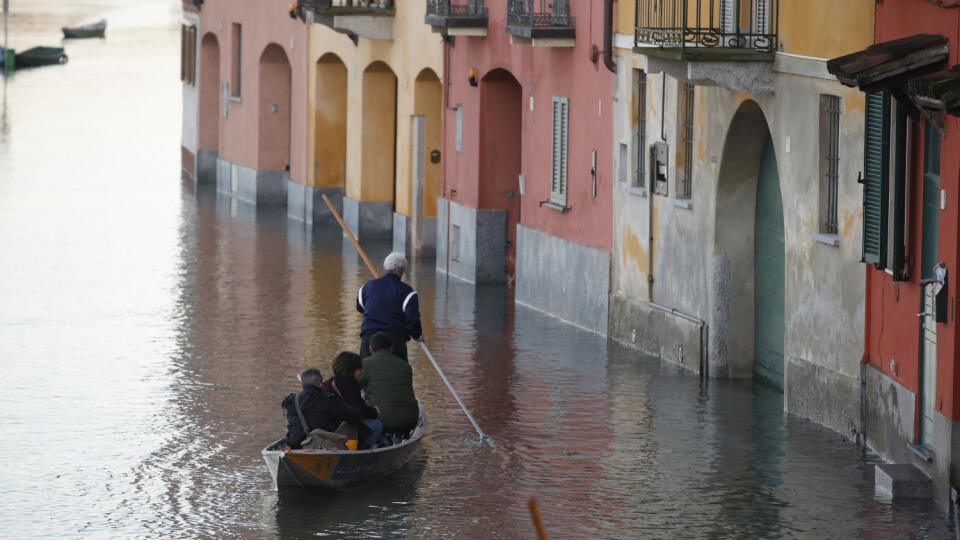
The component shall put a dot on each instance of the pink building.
(245, 118)
(528, 177)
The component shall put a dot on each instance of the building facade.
(527, 174)
(374, 114)
(736, 215)
(910, 235)
(244, 123)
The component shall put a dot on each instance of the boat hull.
(41, 56)
(340, 470)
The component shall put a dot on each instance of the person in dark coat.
(321, 409)
(347, 368)
(389, 305)
(389, 383)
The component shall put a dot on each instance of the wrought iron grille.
(730, 24)
(832, 158)
(363, 4)
(452, 8)
(686, 141)
(539, 13)
(641, 83)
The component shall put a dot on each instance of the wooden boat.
(86, 31)
(340, 470)
(41, 56)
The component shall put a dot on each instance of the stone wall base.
(563, 278)
(305, 203)
(824, 396)
(477, 243)
(368, 220)
(250, 185)
(638, 325)
(403, 236)
(207, 167)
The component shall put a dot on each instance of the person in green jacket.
(389, 383)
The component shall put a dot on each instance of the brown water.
(148, 333)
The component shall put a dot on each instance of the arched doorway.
(330, 123)
(426, 166)
(501, 116)
(208, 116)
(747, 264)
(274, 106)
(378, 142)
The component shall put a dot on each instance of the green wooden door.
(768, 273)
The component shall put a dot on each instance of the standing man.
(389, 305)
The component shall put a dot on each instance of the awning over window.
(913, 69)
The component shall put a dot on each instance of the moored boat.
(341, 470)
(92, 30)
(41, 56)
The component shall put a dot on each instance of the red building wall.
(892, 327)
(472, 177)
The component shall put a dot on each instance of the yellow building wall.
(413, 49)
(329, 156)
(825, 28)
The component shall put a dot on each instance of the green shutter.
(875, 168)
(899, 193)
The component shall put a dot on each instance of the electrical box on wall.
(658, 168)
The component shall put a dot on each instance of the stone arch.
(209, 116)
(274, 110)
(501, 117)
(732, 267)
(330, 122)
(378, 134)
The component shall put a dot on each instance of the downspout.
(608, 36)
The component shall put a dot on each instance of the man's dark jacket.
(322, 410)
(389, 305)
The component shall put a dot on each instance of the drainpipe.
(608, 36)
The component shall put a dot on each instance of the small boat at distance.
(91, 30)
(340, 470)
(41, 56)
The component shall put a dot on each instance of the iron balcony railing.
(720, 24)
(348, 4)
(539, 13)
(467, 9)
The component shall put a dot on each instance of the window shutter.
(875, 169)
(558, 168)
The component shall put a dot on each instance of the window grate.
(685, 167)
(558, 166)
(641, 85)
(830, 168)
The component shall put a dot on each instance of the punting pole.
(423, 346)
(537, 518)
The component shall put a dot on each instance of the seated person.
(389, 383)
(347, 368)
(320, 409)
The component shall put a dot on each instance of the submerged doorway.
(768, 263)
(928, 261)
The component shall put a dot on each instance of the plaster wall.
(414, 52)
(264, 22)
(703, 251)
(543, 72)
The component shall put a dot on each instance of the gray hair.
(311, 377)
(395, 262)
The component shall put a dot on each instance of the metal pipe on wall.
(608, 36)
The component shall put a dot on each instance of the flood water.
(148, 332)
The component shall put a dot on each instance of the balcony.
(708, 30)
(452, 18)
(356, 18)
(541, 22)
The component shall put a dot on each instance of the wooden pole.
(349, 234)
(537, 519)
